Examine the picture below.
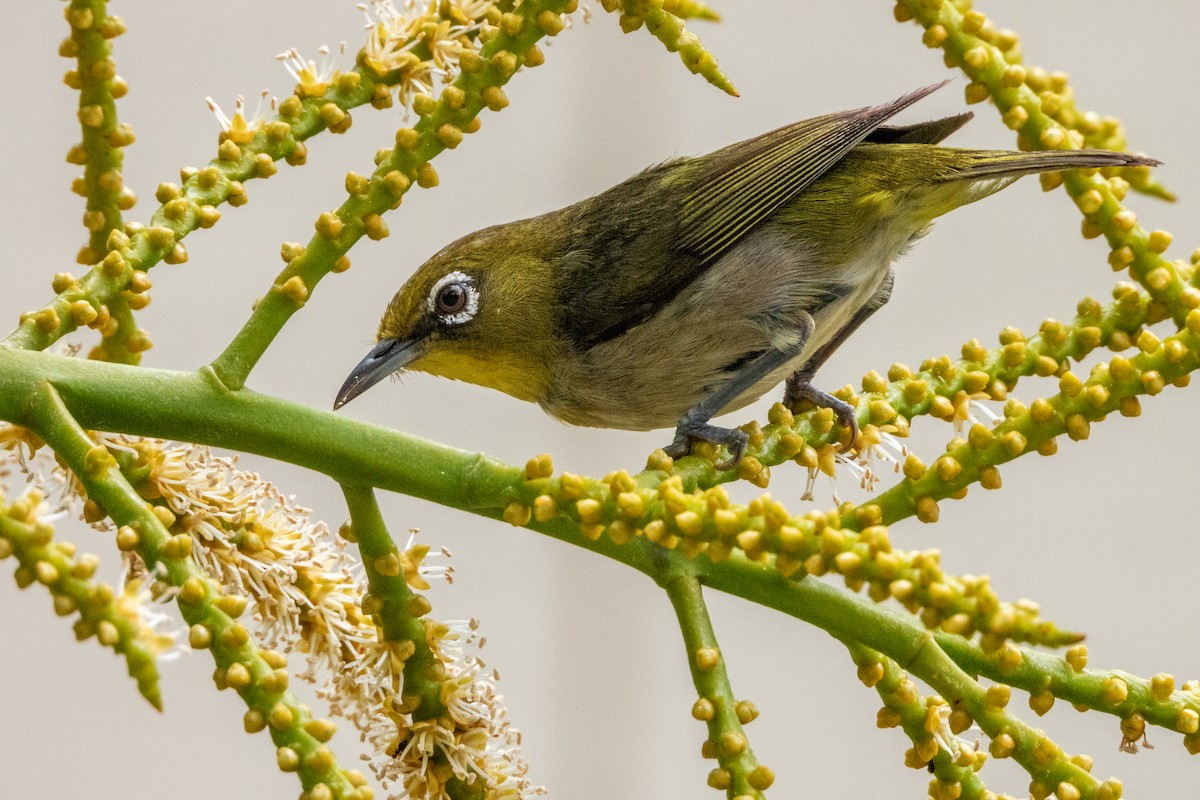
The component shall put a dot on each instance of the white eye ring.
(468, 310)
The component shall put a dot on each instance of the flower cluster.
(312, 79)
(473, 741)
(309, 595)
(257, 543)
(421, 40)
(241, 128)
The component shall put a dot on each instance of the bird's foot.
(798, 392)
(688, 432)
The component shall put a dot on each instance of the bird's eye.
(451, 299)
(454, 298)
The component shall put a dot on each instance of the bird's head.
(482, 310)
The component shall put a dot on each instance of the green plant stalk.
(914, 714)
(121, 399)
(988, 68)
(227, 639)
(115, 348)
(339, 231)
(851, 619)
(397, 621)
(1038, 672)
(69, 579)
(1064, 413)
(101, 151)
(711, 679)
(394, 619)
(277, 139)
(912, 395)
(98, 118)
(348, 451)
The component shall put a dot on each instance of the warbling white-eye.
(697, 285)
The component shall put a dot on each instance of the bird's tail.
(985, 165)
(959, 177)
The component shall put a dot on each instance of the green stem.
(395, 602)
(102, 140)
(115, 348)
(1112, 691)
(69, 579)
(502, 55)
(739, 774)
(108, 397)
(118, 398)
(397, 611)
(914, 715)
(186, 208)
(91, 31)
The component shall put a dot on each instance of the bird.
(696, 286)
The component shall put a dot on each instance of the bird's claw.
(848, 420)
(842, 411)
(687, 433)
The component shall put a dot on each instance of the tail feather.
(982, 165)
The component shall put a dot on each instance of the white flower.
(238, 128)
(312, 79)
(157, 630)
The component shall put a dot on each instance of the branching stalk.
(738, 772)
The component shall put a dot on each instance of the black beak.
(389, 356)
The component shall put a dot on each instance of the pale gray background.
(1102, 534)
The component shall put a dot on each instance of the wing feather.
(747, 182)
(632, 249)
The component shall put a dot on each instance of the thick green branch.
(194, 407)
(106, 398)
(121, 399)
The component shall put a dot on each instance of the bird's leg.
(694, 427)
(799, 386)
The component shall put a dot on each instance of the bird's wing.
(644, 241)
(747, 182)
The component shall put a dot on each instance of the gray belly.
(747, 302)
